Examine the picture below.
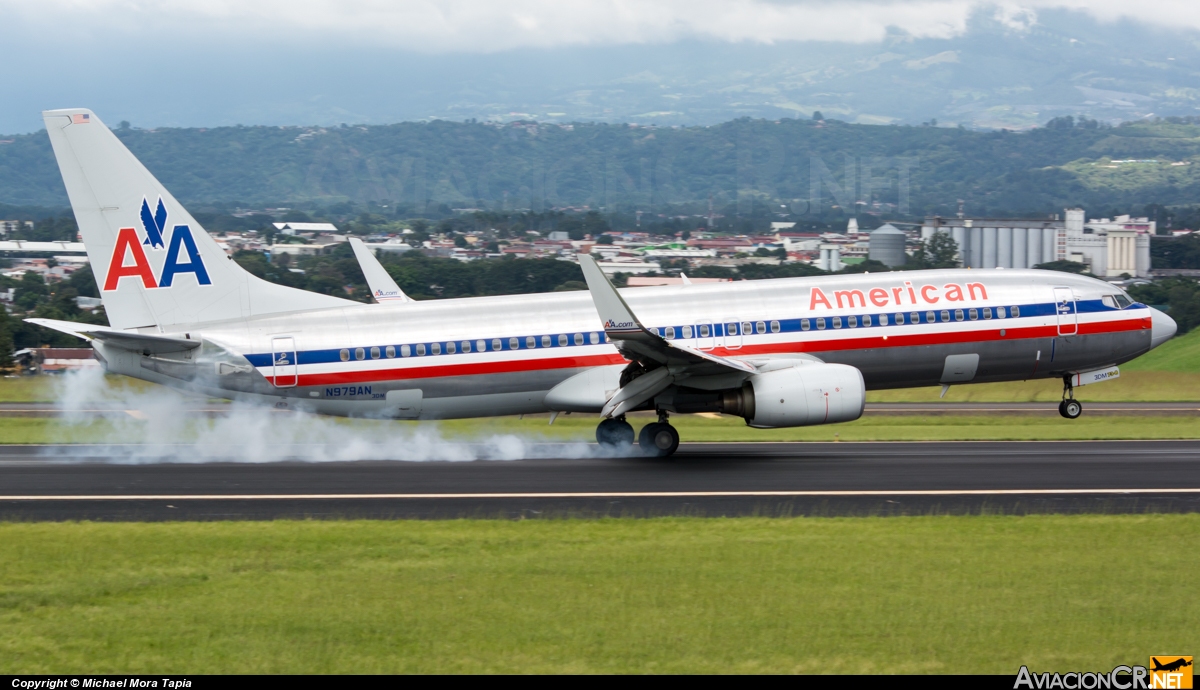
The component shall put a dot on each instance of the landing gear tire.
(658, 439)
(616, 434)
(1071, 409)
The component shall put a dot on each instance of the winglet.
(618, 318)
(383, 288)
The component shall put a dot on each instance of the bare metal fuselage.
(491, 356)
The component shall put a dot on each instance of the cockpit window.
(1123, 301)
(1109, 301)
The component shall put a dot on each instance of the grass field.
(866, 595)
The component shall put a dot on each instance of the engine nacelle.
(806, 395)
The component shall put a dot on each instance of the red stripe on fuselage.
(864, 343)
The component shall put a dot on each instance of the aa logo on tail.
(129, 259)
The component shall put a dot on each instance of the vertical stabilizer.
(155, 266)
(383, 288)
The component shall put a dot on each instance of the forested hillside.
(749, 167)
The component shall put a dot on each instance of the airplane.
(778, 353)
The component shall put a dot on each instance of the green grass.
(868, 595)
(1180, 354)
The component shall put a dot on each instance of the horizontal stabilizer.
(383, 288)
(126, 340)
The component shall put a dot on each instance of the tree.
(1064, 266)
(817, 115)
(939, 251)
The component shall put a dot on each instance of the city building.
(1108, 247)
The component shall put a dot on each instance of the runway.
(1136, 409)
(718, 479)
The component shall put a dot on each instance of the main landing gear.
(1069, 407)
(658, 439)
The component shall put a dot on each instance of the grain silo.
(887, 245)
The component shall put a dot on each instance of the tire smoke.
(159, 424)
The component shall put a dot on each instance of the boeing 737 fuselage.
(785, 352)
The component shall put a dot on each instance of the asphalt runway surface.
(1136, 409)
(713, 479)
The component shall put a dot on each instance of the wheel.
(1062, 408)
(1071, 409)
(658, 439)
(614, 433)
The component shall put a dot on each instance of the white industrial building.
(1108, 247)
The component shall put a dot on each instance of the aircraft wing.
(383, 288)
(637, 343)
(127, 340)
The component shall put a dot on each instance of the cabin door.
(1064, 307)
(283, 356)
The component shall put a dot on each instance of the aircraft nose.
(1162, 327)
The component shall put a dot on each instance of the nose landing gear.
(1069, 407)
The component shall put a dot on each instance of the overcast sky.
(220, 61)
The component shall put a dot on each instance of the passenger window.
(914, 317)
(899, 319)
(1016, 312)
(687, 332)
(883, 319)
(390, 351)
(530, 342)
(731, 329)
(853, 321)
(374, 353)
(345, 354)
(958, 314)
(436, 348)
(804, 324)
(578, 338)
(562, 340)
(774, 326)
(513, 344)
(481, 346)
(465, 345)
(594, 338)
(450, 348)
(760, 327)
(421, 349)
(405, 351)
(360, 353)
(1000, 313)
(945, 316)
(545, 341)
(930, 317)
(987, 313)
(670, 334)
(974, 314)
(747, 328)
(704, 332)
(497, 345)
(820, 324)
(837, 322)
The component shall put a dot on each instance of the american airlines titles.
(908, 294)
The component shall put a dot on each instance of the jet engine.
(807, 395)
(803, 395)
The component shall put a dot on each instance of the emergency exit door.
(283, 362)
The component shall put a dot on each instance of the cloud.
(492, 26)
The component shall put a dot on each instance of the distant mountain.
(791, 168)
